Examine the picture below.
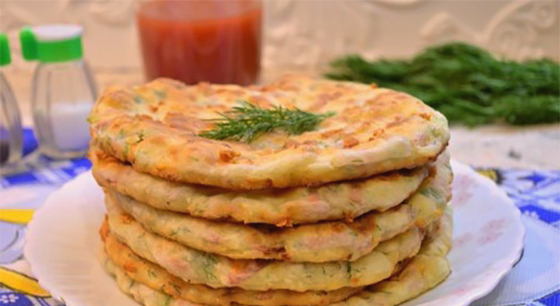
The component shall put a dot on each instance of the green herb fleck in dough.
(349, 269)
(138, 99)
(206, 264)
(431, 193)
(167, 300)
(122, 134)
(466, 83)
(176, 287)
(92, 119)
(307, 267)
(152, 273)
(173, 233)
(126, 149)
(140, 136)
(160, 94)
(246, 122)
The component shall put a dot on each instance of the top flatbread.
(155, 126)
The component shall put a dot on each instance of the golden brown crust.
(346, 240)
(155, 126)
(417, 275)
(423, 272)
(218, 271)
(286, 207)
(157, 278)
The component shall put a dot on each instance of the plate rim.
(475, 293)
(31, 227)
(483, 290)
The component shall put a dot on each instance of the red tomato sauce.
(215, 41)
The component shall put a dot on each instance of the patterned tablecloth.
(535, 280)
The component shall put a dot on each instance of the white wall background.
(305, 34)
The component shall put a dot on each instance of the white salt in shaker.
(63, 89)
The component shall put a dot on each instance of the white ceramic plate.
(63, 244)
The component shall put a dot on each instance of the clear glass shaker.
(11, 134)
(63, 89)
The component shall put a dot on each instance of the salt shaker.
(11, 134)
(63, 89)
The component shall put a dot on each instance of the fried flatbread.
(284, 207)
(157, 278)
(424, 271)
(321, 242)
(421, 273)
(218, 271)
(155, 128)
(142, 293)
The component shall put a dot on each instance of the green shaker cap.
(5, 57)
(52, 43)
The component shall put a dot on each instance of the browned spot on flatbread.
(284, 223)
(329, 133)
(128, 267)
(227, 155)
(229, 91)
(143, 117)
(119, 98)
(338, 227)
(104, 229)
(349, 142)
(154, 108)
(173, 288)
(360, 226)
(377, 133)
(281, 251)
(126, 219)
(349, 217)
(310, 142)
(261, 101)
(244, 269)
(397, 121)
(426, 116)
(290, 144)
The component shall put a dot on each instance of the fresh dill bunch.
(247, 121)
(466, 83)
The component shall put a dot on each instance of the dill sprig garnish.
(466, 83)
(247, 121)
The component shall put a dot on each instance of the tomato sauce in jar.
(215, 41)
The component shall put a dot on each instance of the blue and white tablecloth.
(536, 193)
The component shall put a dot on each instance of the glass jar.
(217, 41)
(63, 95)
(11, 134)
(63, 89)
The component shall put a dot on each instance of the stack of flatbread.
(353, 212)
